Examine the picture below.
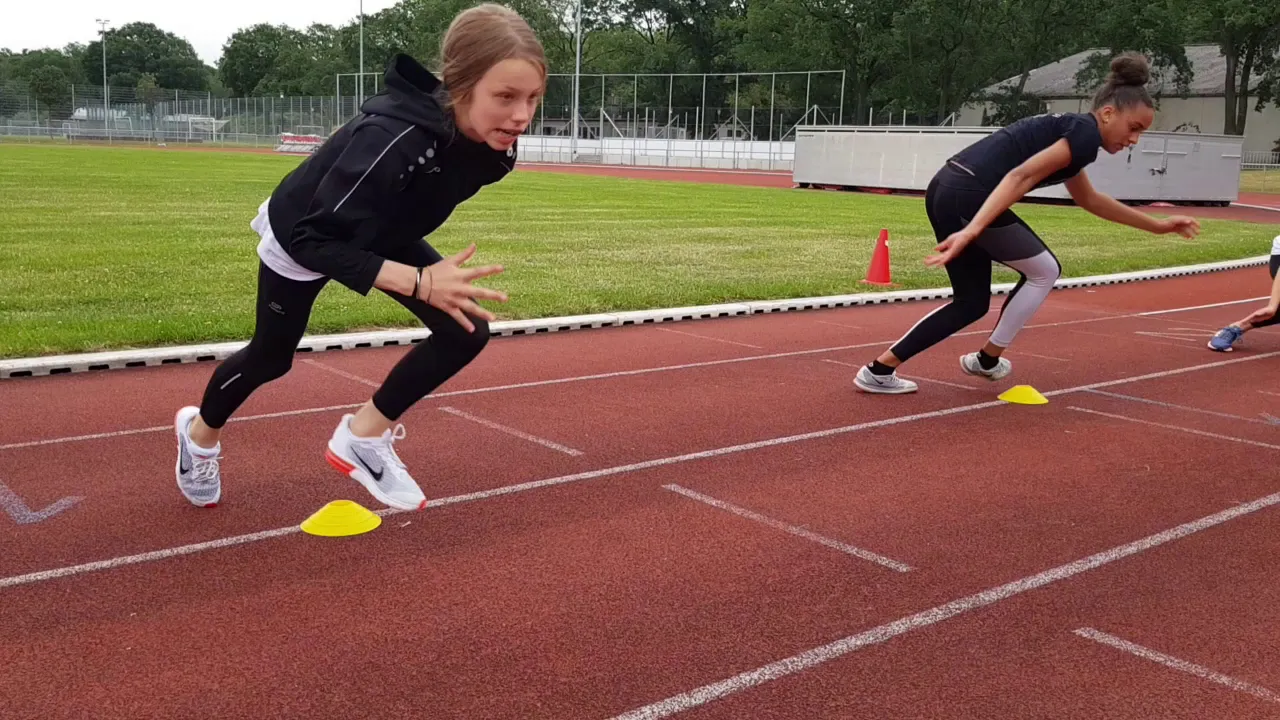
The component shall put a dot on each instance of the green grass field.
(98, 255)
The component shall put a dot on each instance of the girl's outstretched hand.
(1187, 227)
(1263, 314)
(447, 286)
(948, 249)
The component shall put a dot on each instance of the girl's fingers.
(476, 310)
(487, 294)
(461, 319)
(486, 271)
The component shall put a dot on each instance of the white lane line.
(1042, 357)
(341, 373)
(1118, 338)
(1268, 392)
(844, 646)
(1192, 431)
(908, 377)
(169, 428)
(457, 393)
(708, 337)
(535, 383)
(511, 431)
(1202, 307)
(792, 529)
(618, 470)
(1177, 664)
(839, 325)
(1188, 408)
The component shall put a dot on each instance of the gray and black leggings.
(283, 308)
(951, 201)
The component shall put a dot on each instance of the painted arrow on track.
(24, 515)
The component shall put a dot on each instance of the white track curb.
(62, 364)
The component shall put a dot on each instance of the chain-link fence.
(667, 119)
(736, 120)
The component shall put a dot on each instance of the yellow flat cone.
(341, 518)
(1023, 395)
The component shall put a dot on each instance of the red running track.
(698, 519)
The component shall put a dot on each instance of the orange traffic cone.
(878, 273)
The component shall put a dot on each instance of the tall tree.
(139, 48)
(250, 53)
(1247, 33)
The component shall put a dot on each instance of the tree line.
(923, 59)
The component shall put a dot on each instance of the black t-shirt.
(992, 157)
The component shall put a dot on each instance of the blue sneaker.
(1225, 338)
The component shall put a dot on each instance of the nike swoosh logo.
(377, 474)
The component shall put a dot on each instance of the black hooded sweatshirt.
(389, 177)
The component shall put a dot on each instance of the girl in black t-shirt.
(968, 204)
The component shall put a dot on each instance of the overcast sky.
(32, 25)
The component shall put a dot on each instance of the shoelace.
(204, 471)
(384, 446)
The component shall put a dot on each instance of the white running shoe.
(891, 384)
(969, 363)
(197, 467)
(373, 463)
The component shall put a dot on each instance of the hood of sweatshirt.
(412, 94)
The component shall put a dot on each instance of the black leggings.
(951, 201)
(283, 309)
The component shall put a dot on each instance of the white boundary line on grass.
(146, 357)
(66, 571)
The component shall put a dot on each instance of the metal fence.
(654, 115)
(736, 120)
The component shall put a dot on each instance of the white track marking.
(1118, 338)
(541, 383)
(708, 337)
(846, 645)
(839, 325)
(46, 575)
(1042, 357)
(1161, 403)
(456, 393)
(341, 373)
(1256, 207)
(1196, 338)
(792, 529)
(1203, 307)
(511, 431)
(1192, 431)
(169, 428)
(621, 469)
(1268, 392)
(908, 377)
(1176, 664)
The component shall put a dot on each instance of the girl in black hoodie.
(356, 211)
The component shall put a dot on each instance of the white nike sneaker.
(197, 467)
(868, 381)
(969, 363)
(373, 463)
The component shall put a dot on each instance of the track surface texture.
(696, 519)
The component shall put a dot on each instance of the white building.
(1202, 111)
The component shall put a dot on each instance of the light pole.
(360, 84)
(106, 111)
(577, 70)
